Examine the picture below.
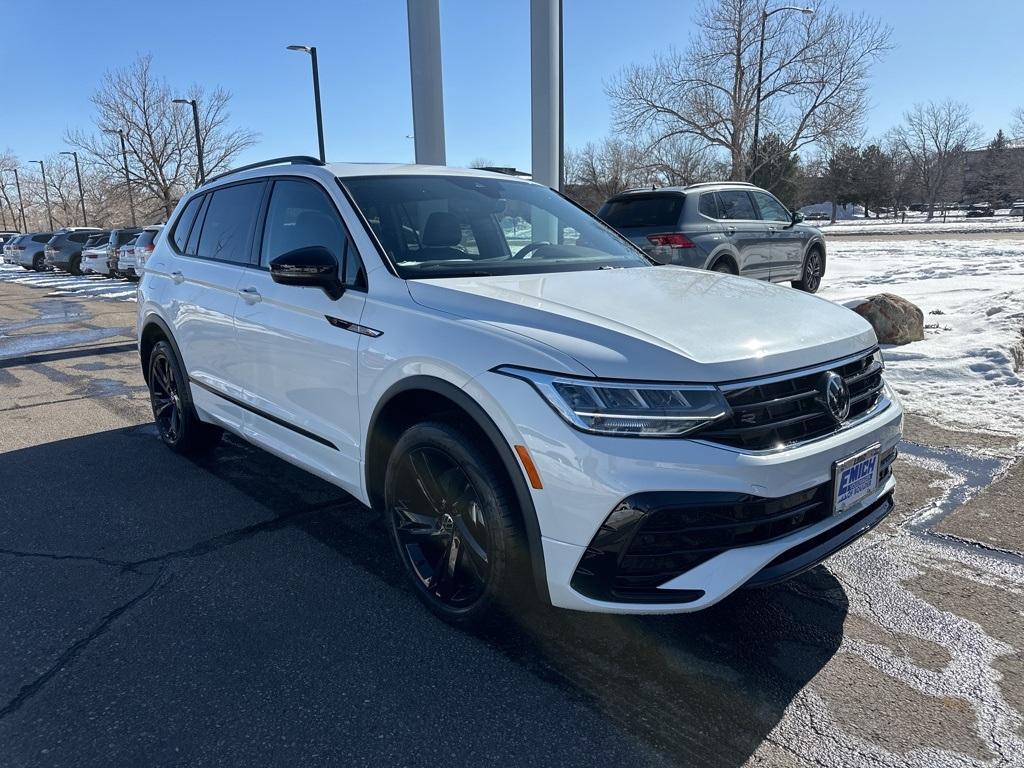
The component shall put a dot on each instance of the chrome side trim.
(744, 383)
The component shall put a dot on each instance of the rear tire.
(75, 264)
(725, 267)
(455, 524)
(814, 269)
(39, 264)
(176, 420)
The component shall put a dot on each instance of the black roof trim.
(289, 160)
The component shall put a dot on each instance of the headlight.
(635, 409)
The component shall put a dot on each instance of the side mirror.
(313, 266)
(797, 217)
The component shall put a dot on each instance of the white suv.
(532, 404)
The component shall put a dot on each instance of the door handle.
(250, 294)
(177, 277)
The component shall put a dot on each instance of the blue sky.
(943, 49)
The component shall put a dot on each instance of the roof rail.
(289, 160)
(721, 184)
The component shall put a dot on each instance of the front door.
(298, 345)
(787, 245)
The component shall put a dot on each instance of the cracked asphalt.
(238, 611)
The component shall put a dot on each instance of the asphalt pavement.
(235, 610)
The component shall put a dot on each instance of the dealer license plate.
(854, 478)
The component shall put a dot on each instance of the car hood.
(658, 323)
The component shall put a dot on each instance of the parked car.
(980, 210)
(29, 250)
(561, 415)
(94, 255)
(118, 237)
(729, 227)
(64, 249)
(145, 245)
(6, 236)
(124, 264)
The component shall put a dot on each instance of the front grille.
(780, 412)
(651, 538)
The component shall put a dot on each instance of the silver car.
(730, 227)
(29, 250)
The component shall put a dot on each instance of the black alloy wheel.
(176, 421)
(814, 268)
(39, 263)
(724, 267)
(453, 522)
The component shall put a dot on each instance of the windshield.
(458, 226)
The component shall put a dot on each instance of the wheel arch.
(417, 397)
(723, 254)
(819, 244)
(154, 329)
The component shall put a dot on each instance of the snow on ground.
(63, 284)
(918, 224)
(972, 295)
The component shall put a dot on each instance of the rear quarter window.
(709, 205)
(184, 223)
(643, 211)
(41, 238)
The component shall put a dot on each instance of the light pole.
(81, 192)
(21, 202)
(127, 178)
(199, 140)
(46, 192)
(765, 13)
(311, 50)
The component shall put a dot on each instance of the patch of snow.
(966, 372)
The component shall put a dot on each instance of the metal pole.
(81, 192)
(199, 141)
(427, 90)
(546, 91)
(127, 177)
(757, 100)
(21, 202)
(316, 97)
(46, 192)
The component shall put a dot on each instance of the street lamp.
(199, 141)
(765, 13)
(311, 50)
(21, 203)
(46, 192)
(81, 192)
(127, 178)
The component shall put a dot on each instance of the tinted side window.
(79, 237)
(41, 238)
(709, 205)
(735, 204)
(181, 229)
(229, 220)
(193, 239)
(145, 238)
(771, 209)
(301, 214)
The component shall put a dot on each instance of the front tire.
(814, 269)
(454, 523)
(176, 420)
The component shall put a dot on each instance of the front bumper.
(587, 476)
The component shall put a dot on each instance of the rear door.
(204, 278)
(296, 344)
(743, 227)
(638, 215)
(787, 244)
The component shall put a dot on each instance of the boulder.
(895, 320)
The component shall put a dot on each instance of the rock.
(993, 311)
(895, 320)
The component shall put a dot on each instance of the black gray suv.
(730, 227)
(64, 249)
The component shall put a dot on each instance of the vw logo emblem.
(833, 396)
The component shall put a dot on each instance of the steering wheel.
(526, 250)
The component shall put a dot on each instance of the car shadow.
(701, 689)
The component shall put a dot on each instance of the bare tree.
(159, 136)
(1017, 126)
(933, 137)
(813, 84)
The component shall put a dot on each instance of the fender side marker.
(529, 466)
(345, 325)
